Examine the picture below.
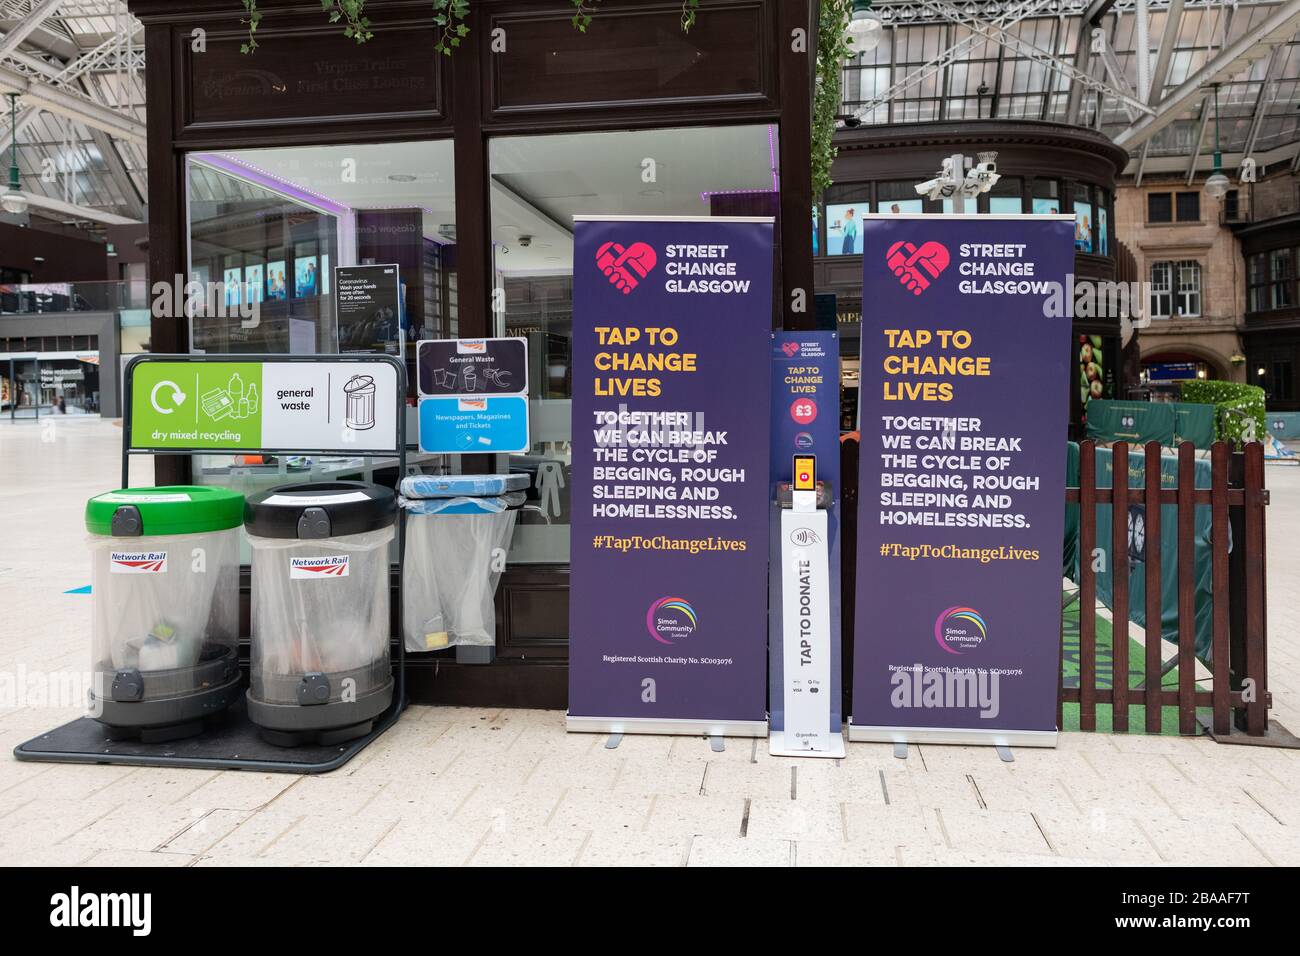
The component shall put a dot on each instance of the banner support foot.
(1004, 752)
(900, 750)
(717, 743)
(613, 741)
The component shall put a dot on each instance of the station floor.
(452, 786)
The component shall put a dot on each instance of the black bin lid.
(353, 507)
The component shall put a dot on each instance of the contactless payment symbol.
(803, 411)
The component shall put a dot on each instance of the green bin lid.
(170, 509)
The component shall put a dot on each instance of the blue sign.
(467, 426)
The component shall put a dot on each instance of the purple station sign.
(964, 398)
(671, 371)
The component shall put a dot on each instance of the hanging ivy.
(833, 48)
(448, 17)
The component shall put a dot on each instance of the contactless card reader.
(806, 620)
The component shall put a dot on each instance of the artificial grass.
(1105, 677)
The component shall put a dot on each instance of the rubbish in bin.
(455, 535)
(320, 610)
(165, 625)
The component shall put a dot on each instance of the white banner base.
(832, 744)
(651, 725)
(954, 735)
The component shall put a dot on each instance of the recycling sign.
(346, 406)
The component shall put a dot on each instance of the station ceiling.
(78, 67)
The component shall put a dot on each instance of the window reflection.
(538, 184)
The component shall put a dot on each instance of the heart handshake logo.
(917, 268)
(625, 268)
(789, 348)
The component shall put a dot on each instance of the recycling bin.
(165, 618)
(320, 663)
(457, 526)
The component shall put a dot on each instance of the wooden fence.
(1237, 661)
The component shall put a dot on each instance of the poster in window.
(1002, 205)
(254, 283)
(275, 284)
(1046, 206)
(1083, 226)
(897, 207)
(232, 280)
(843, 222)
(304, 277)
(1103, 232)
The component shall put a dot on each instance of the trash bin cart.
(320, 670)
(165, 596)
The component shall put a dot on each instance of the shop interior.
(268, 226)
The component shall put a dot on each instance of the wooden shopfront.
(269, 168)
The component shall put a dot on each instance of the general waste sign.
(473, 395)
(197, 404)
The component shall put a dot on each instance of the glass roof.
(905, 79)
(93, 51)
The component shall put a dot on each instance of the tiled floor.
(458, 786)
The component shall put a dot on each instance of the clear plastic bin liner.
(451, 577)
(319, 605)
(455, 486)
(463, 506)
(162, 602)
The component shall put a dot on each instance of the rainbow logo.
(670, 619)
(960, 629)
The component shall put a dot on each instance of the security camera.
(935, 189)
(525, 241)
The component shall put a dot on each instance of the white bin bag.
(157, 616)
(452, 565)
(318, 605)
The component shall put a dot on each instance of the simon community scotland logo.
(960, 629)
(671, 619)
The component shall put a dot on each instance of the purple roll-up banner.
(964, 398)
(669, 528)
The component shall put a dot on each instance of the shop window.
(1281, 279)
(1189, 207)
(1006, 196)
(845, 205)
(1047, 197)
(1161, 290)
(898, 197)
(1165, 207)
(1188, 300)
(538, 185)
(267, 228)
(1160, 207)
(1282, 384)
(1103, 222)
(1084, 219)
(1176, 289)
(1257, 297)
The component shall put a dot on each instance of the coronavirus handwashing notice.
(669, 474)
(964, 405)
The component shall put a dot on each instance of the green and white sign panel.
(348, 407)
